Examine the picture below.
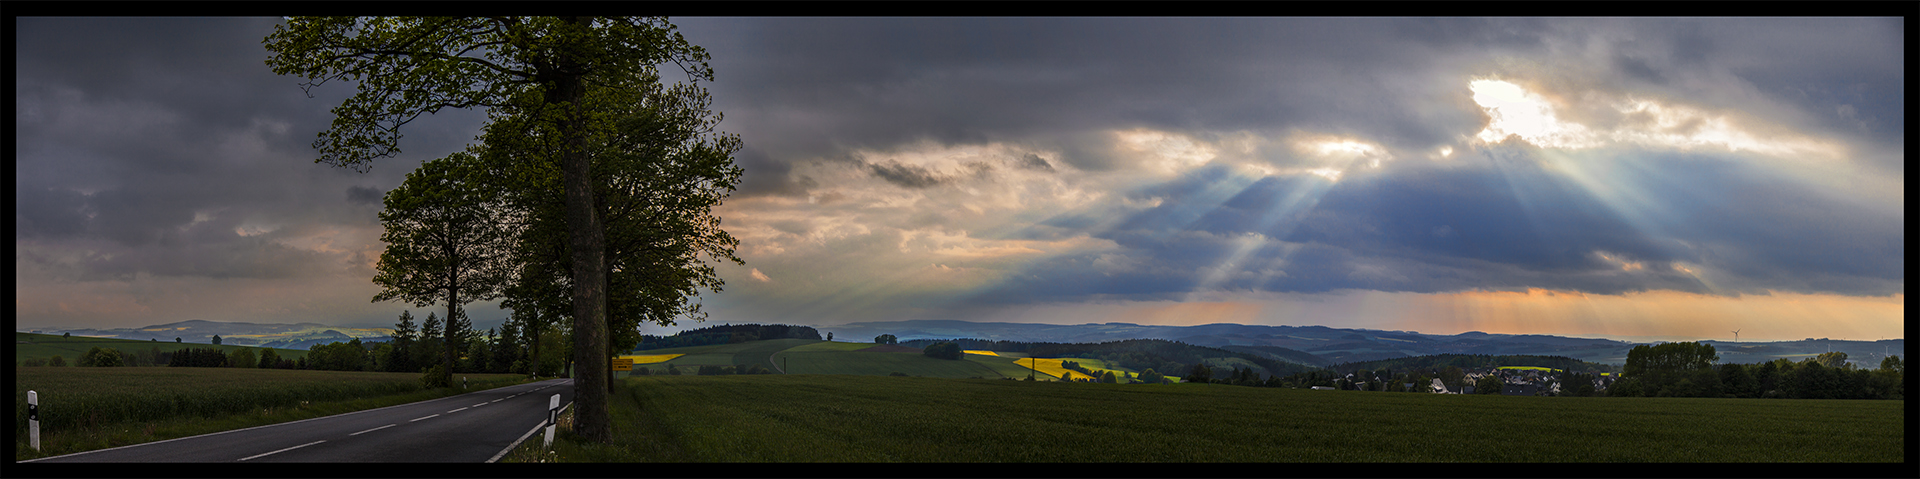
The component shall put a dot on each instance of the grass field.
(43, 346)
(93, 408)
(775, 418)
(805, 356)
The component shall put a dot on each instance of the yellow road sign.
(622, 364)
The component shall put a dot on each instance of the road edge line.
(523, 437)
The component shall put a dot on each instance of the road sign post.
(33, 418)
(553, 418)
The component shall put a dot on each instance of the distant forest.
(726, 334)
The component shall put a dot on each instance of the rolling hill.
(270, 335)
(43, 346)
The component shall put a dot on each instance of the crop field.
(650, 358)
(776, 418)
(43, 346)
(1529, 368)
(81, 399)
(1053, 367)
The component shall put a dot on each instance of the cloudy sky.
(1580, 177)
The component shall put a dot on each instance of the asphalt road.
(474, 427)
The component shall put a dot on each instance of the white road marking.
(456, 410)
(436, 415)
(372, 430)
(498, 400)
(478, 405)
(283, 450)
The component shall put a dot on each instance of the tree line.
(726, 334)
(1688, 369)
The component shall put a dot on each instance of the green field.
(93, 408)
(43, 346)
(819, 418)
(807, 356)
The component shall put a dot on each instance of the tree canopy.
(447, 242)
(943, 351)
(538, 70)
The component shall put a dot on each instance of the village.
(1512, 381)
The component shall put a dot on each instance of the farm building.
(1322, 388)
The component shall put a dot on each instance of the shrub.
(242, 359)
(102, 358)
(437, 377)
(57, 362)
(269, 359)
(943, 350)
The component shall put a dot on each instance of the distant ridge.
(1345, 345)
(273, 335)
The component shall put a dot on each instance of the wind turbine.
(1736, 335)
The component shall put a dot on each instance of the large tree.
(540, 67)
(659, 169)
(447, 242)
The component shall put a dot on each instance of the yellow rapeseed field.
(1052, 366)
(651, 358)
(975, 351)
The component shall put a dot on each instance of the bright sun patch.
(1516, 111)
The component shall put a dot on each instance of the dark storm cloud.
(210, 250)
(874, 82)
(164, 148)
(879, 82)
(361, 195)
(1033, 162)
(163, 135)
(48, 212)
(1502, 224)
(909, 176)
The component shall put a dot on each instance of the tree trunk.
(587, 238)
(453, 310)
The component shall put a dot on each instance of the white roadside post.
(33, 419)
(553, 418)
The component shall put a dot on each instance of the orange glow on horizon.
(1782, 315)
